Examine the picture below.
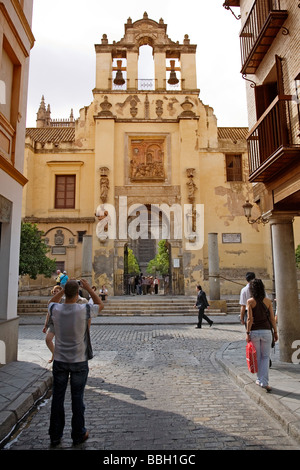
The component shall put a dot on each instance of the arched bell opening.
(146, 74)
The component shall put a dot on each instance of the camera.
(79, 283)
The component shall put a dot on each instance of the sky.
(62, 61)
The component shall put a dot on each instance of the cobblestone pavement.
(155, 387)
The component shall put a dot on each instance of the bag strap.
(267, 312)
(88, 311)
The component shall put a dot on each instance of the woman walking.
(260, 323)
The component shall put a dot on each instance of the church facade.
(145, 161)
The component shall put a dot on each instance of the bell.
(119, 80)
(173, 80)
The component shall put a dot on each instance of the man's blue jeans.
(78, 373)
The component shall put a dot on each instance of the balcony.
(259, 31)
(270, 146)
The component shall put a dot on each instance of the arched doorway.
(150, 226)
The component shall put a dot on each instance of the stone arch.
(62, 228)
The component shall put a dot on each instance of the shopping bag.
(251, 357)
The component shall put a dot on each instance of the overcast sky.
(62, 61)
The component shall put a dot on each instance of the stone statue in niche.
(59, 237)
(147, 160)
(104, 184)
(104, 187)
(191, 184)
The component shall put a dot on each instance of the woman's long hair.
(257, 289)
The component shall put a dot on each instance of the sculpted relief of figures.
(147, 160)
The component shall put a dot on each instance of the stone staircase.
(133, 305)
(233, 307)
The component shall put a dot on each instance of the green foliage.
(133, 266)
(161, 261)
(33, 253)
(298, 256)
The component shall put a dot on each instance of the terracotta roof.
(233, 133)
(51, 134)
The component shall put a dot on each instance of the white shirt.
(245, 295)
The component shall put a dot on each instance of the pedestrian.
(156, 283)
(64, 278)
(260, 323)
(90, 301)
(202, 304)
(69, 323)
(58, 276)
(103, 293)
(49, 335)
(244, 296)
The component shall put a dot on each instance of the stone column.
(285, 284)
(87, 264)
(213, 267)
(160, 70)
(132, 70)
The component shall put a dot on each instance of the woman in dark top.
(259, 324)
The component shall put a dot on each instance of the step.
(128, 305)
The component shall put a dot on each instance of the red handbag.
(251, 357)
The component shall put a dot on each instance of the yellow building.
(16, 41)
(145, 161)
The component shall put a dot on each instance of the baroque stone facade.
(147, 161)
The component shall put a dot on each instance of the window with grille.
(234, 168)
(65, 191)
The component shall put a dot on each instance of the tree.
(298, 256)
(161, 261)
(133, 265)
(33, 253)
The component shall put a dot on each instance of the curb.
(289, 422)
(16, 411)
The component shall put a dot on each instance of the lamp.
(247, 210)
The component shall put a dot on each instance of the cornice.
(10, 170)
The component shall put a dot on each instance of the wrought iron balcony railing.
(270, 143)
(146, 84)
(261, 27)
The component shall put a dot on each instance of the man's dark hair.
(71, 289)
(250, 276)
(199, 287)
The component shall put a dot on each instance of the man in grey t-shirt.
(68, 323)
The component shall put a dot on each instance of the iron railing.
(146, 84)
(254, 24)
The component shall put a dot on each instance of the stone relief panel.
(146, 160)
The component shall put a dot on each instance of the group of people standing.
(143, 285)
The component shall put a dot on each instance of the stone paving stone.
(154, 387)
